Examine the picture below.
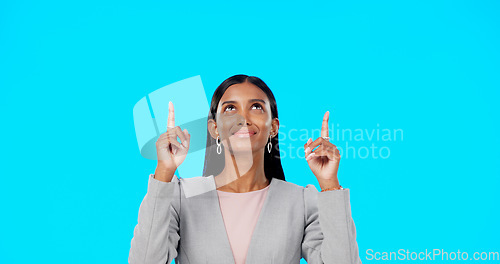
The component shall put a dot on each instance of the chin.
(242, 144)
(242, 149)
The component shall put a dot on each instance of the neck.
(243, 172)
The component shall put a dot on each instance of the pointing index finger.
(324, 127)
(171, 115)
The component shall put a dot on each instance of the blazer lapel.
(259, 234)
(220, 229)
(221, 249)
(257, 245)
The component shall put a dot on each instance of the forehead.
(243, 92)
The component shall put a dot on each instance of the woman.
(242, 210)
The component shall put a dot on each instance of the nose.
(244, 119)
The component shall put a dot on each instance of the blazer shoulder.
(292, 187)
(296, 189)
(197, 185)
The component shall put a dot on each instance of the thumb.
(188, 137)
(311, 156)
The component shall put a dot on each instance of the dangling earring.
(219, 148)
(269, 145)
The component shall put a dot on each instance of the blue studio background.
(72, 177)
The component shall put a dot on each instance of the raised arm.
(156, 235)
(330, 233)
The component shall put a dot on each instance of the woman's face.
(244, 120)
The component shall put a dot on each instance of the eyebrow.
(251, 100)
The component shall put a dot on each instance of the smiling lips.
(244, 133)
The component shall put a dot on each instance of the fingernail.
(308, 149)
(184, 143)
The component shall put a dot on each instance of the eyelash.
(252, 106)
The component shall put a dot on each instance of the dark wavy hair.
(214, 163)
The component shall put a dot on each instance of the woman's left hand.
(324, 160)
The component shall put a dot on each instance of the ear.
(212, 128)
(275, 125)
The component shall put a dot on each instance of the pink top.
(240, 212)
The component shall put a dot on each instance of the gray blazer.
(182, 220)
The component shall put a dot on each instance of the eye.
(227, 107)
(257, 105)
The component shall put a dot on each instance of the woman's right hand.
(169, 151)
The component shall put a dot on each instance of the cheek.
(265, 128)
(265, 122)
(225, 124)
